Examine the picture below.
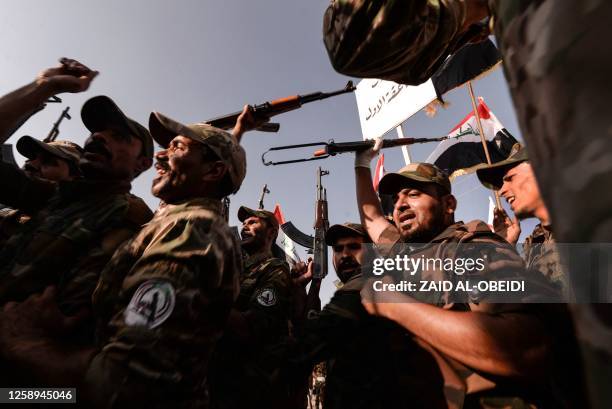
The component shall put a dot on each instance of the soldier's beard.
(348, 269)
(425, 232)
(252, 244)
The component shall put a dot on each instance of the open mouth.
(245, 235)
(161, 168)
(95, 149)
(406, 218)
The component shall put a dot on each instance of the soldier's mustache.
(163, 165)
(348, 264)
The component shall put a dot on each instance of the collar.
(214, 205)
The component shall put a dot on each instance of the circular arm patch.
(151, 304)
(267, 297)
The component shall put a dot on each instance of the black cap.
(347, 229)
(100, 113)
(492, 176)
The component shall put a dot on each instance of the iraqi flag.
(464, 153)
(284, 245)
(379, 171)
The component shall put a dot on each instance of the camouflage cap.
(30, 147)
(391, 183)
(346, 229)
(222, 143)
(492, 176)
(245, 212)
(100, 113)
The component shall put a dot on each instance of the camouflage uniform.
(74, 230)
(76, 226)
(245, 372)
(163, 300)
(464, 387)
(12, 219)
(368, 358)
(539, 250)
(467, 388)
(161, 305)
(371, 362)
(541, 255)
(556, 61)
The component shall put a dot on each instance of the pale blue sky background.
(194, 60)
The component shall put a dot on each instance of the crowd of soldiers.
(169, 308)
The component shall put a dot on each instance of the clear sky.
(195, 59)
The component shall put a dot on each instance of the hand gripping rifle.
(278, 106)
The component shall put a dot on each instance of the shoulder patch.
(151, 304)
(267, 297)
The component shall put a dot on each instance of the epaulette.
(477, 226)
(477, 229)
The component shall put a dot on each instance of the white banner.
(383, 105)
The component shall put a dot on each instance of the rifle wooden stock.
(275, 107)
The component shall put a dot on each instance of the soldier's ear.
(450, 204)
(216, 172)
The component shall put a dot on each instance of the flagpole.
(405, 151)
(482, 136)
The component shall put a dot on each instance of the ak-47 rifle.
(278, 106)
(314, 244)
(53, 99)
(53, 134)
(320, 226)
(332, 148)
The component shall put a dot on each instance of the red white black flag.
(464, 153)
(283, 241)
(379, 172)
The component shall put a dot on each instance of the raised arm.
(15, 107)
(370, 211)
